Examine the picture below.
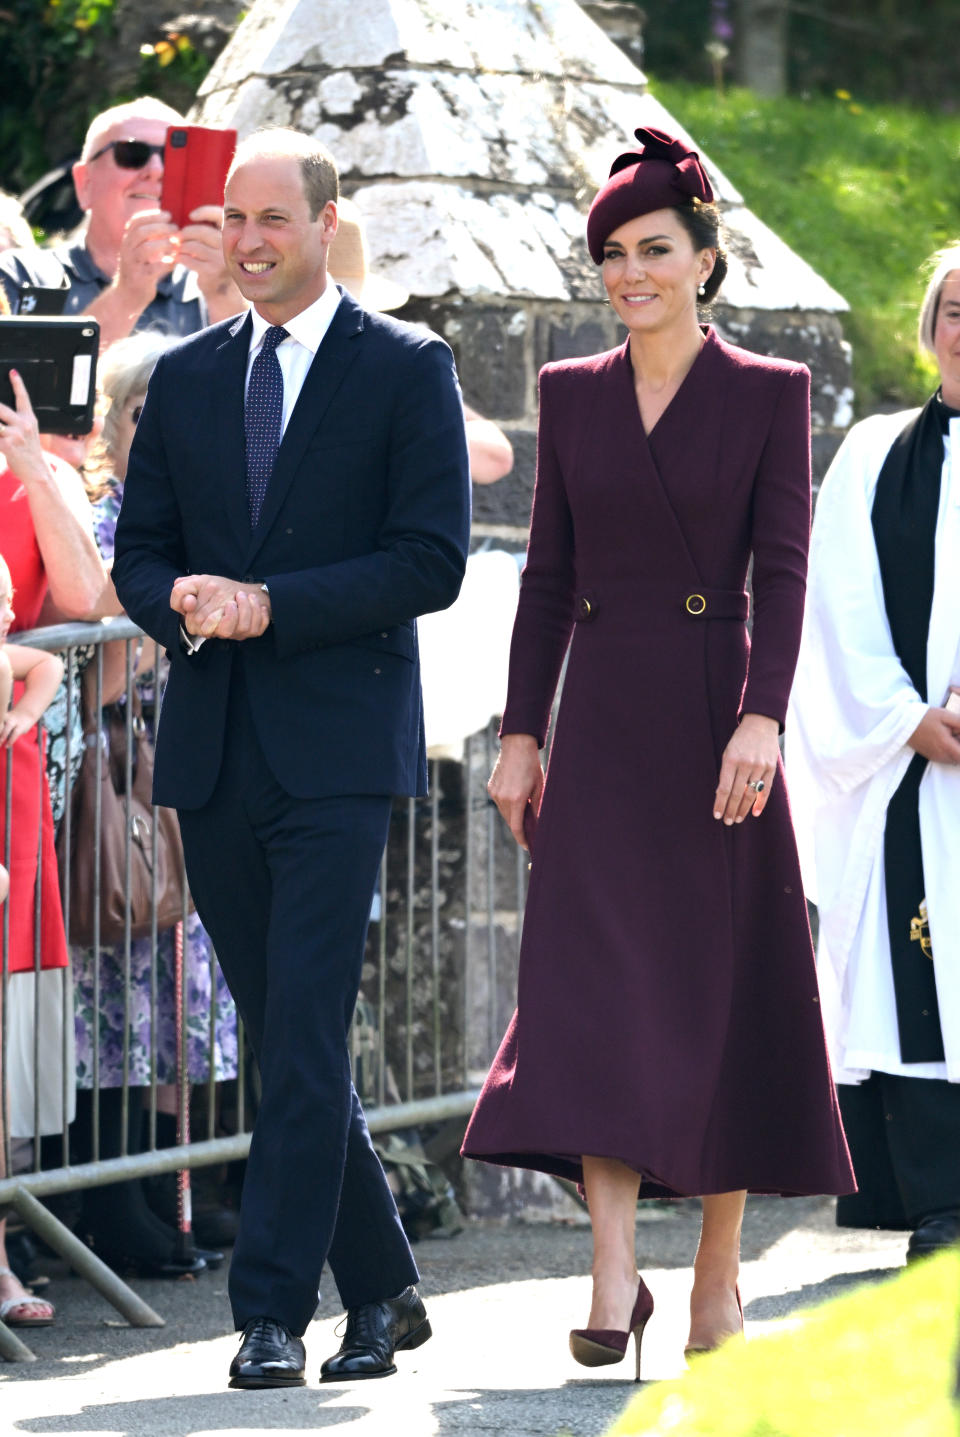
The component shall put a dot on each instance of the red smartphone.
(195, 164)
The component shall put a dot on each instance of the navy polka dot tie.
(263, 419)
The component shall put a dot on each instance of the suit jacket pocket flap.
(399, 640)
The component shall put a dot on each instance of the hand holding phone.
(200, 246)
(148, 251)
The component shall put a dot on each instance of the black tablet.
(57, 361)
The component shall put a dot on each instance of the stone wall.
(472, 137)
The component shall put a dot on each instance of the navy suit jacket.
(364, 526)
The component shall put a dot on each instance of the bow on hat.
(691, 177)
(664, 174)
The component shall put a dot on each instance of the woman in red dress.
(668, 1037)
(47, 542)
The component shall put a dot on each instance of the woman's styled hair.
(942, 263)
(702, 223)
(124, 371)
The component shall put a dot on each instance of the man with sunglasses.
(130, 268)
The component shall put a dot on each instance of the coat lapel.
(649, 447)
(226, 400)
(338, 349)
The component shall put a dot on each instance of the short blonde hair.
(943, 263)
(146, 108)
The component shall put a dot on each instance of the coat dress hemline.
(648, 924)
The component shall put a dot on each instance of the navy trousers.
(283, 886)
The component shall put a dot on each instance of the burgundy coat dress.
(668, 1012)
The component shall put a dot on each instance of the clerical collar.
(945, 413)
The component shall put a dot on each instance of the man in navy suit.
(298, 492)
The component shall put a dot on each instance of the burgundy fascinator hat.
(662, 174)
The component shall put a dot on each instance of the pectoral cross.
(920, 930)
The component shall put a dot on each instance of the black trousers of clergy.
(904, 1137)
(283, 886)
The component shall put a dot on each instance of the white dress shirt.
(295, 354)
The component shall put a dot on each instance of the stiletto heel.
(602, 1346)
(696, 1350)
(638, 1338)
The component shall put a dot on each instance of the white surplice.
(852, 710)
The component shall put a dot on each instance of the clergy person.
(873, 759)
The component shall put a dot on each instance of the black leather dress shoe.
(374, 1333)
(932, 1234)
(269, 1356)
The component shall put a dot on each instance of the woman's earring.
(702, 290)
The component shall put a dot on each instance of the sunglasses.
(129, 154)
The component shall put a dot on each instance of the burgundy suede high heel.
(601, 1346)
(695, 1350)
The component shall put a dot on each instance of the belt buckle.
(695, 604)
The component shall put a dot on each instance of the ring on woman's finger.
(757, 784)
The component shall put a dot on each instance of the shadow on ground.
(763, 1309)
(299, 1407)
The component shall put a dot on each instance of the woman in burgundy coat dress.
(668, 1037)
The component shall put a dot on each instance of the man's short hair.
(318, 168)
(146, 108)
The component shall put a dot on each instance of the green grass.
(863, 192)
(880, 1362)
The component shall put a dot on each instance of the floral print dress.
(210, 1016)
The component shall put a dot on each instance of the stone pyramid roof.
(473, 133)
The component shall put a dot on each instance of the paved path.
(501, 1301)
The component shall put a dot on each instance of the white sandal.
(11, 1305)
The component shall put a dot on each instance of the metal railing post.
(84, 1262)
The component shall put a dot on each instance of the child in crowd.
(40, 675)
(6, 688)
(39, 672)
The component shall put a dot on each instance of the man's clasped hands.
(213, 607)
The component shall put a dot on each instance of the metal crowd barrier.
(437, 987)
